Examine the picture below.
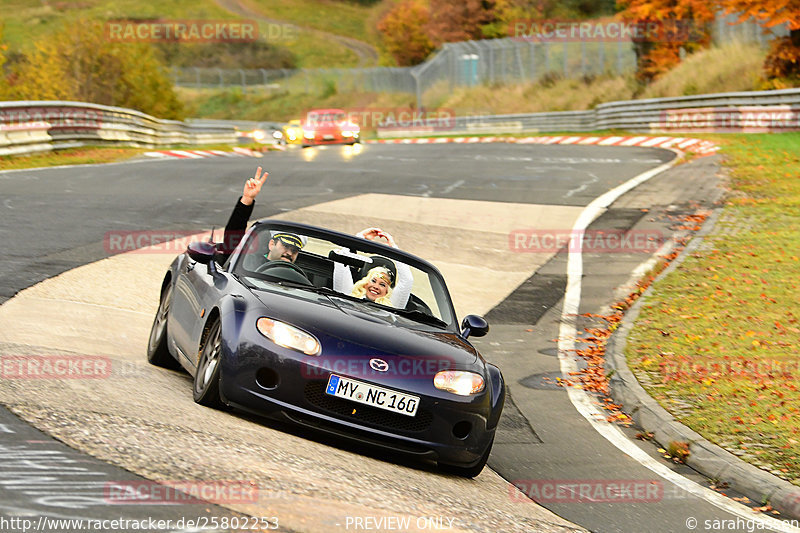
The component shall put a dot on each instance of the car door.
(196, 291)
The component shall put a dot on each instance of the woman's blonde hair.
(360, 288)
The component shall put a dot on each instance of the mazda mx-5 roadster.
(280, 339)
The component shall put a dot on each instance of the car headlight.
(458, 382)
(308, 134)
(288, 336)
(347, 133)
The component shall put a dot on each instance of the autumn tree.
(508, 13)
(4, 89)
(783, 60)
(668, 26)
(459, 20)
(404, 34)
(79, 63)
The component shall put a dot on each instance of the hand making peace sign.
(253, 186)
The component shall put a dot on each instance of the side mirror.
(202, 252)
(474, 325)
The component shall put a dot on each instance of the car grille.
(365, 414)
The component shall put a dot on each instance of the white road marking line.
(450, 188)
(584, 403)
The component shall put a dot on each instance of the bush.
(246, 55)
(4, 89)
(79, 63)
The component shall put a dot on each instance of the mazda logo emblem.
(379, 365)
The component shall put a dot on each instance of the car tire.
(206, 377)
(157, 350)
(469, 471)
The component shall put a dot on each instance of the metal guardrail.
(27, 127)
(39, 126)
(757, 111)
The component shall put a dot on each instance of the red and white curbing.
(199, 154)
(698, 146)
(191, 154)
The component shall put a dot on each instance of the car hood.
(351, 331)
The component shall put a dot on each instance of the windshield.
(346, 269)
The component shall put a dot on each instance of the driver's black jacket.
(234, 230)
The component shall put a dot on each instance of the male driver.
(282, 246)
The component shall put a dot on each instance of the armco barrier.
(757, 111)
(37, 126)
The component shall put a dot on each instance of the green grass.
(728, 68)
(313, 50)
(732, 67)
(552, 94)
(718, 343)
(280, 105)
(76, 156)
(341, 18)
(25, 23)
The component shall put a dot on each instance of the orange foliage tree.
(4, 89)
(667, 27)
(80, 63)
(413, 28)
(404, 34)
(783, 59)
(459, 20)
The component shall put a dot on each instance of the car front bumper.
(280, 385)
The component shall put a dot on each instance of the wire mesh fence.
(728, 28)
(463, 64)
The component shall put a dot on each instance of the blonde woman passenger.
(386, 282)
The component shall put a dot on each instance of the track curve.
(438, 201)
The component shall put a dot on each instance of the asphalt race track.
(459, 206)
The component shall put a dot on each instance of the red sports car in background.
(329, 126)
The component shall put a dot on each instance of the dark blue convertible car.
(275, 338)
